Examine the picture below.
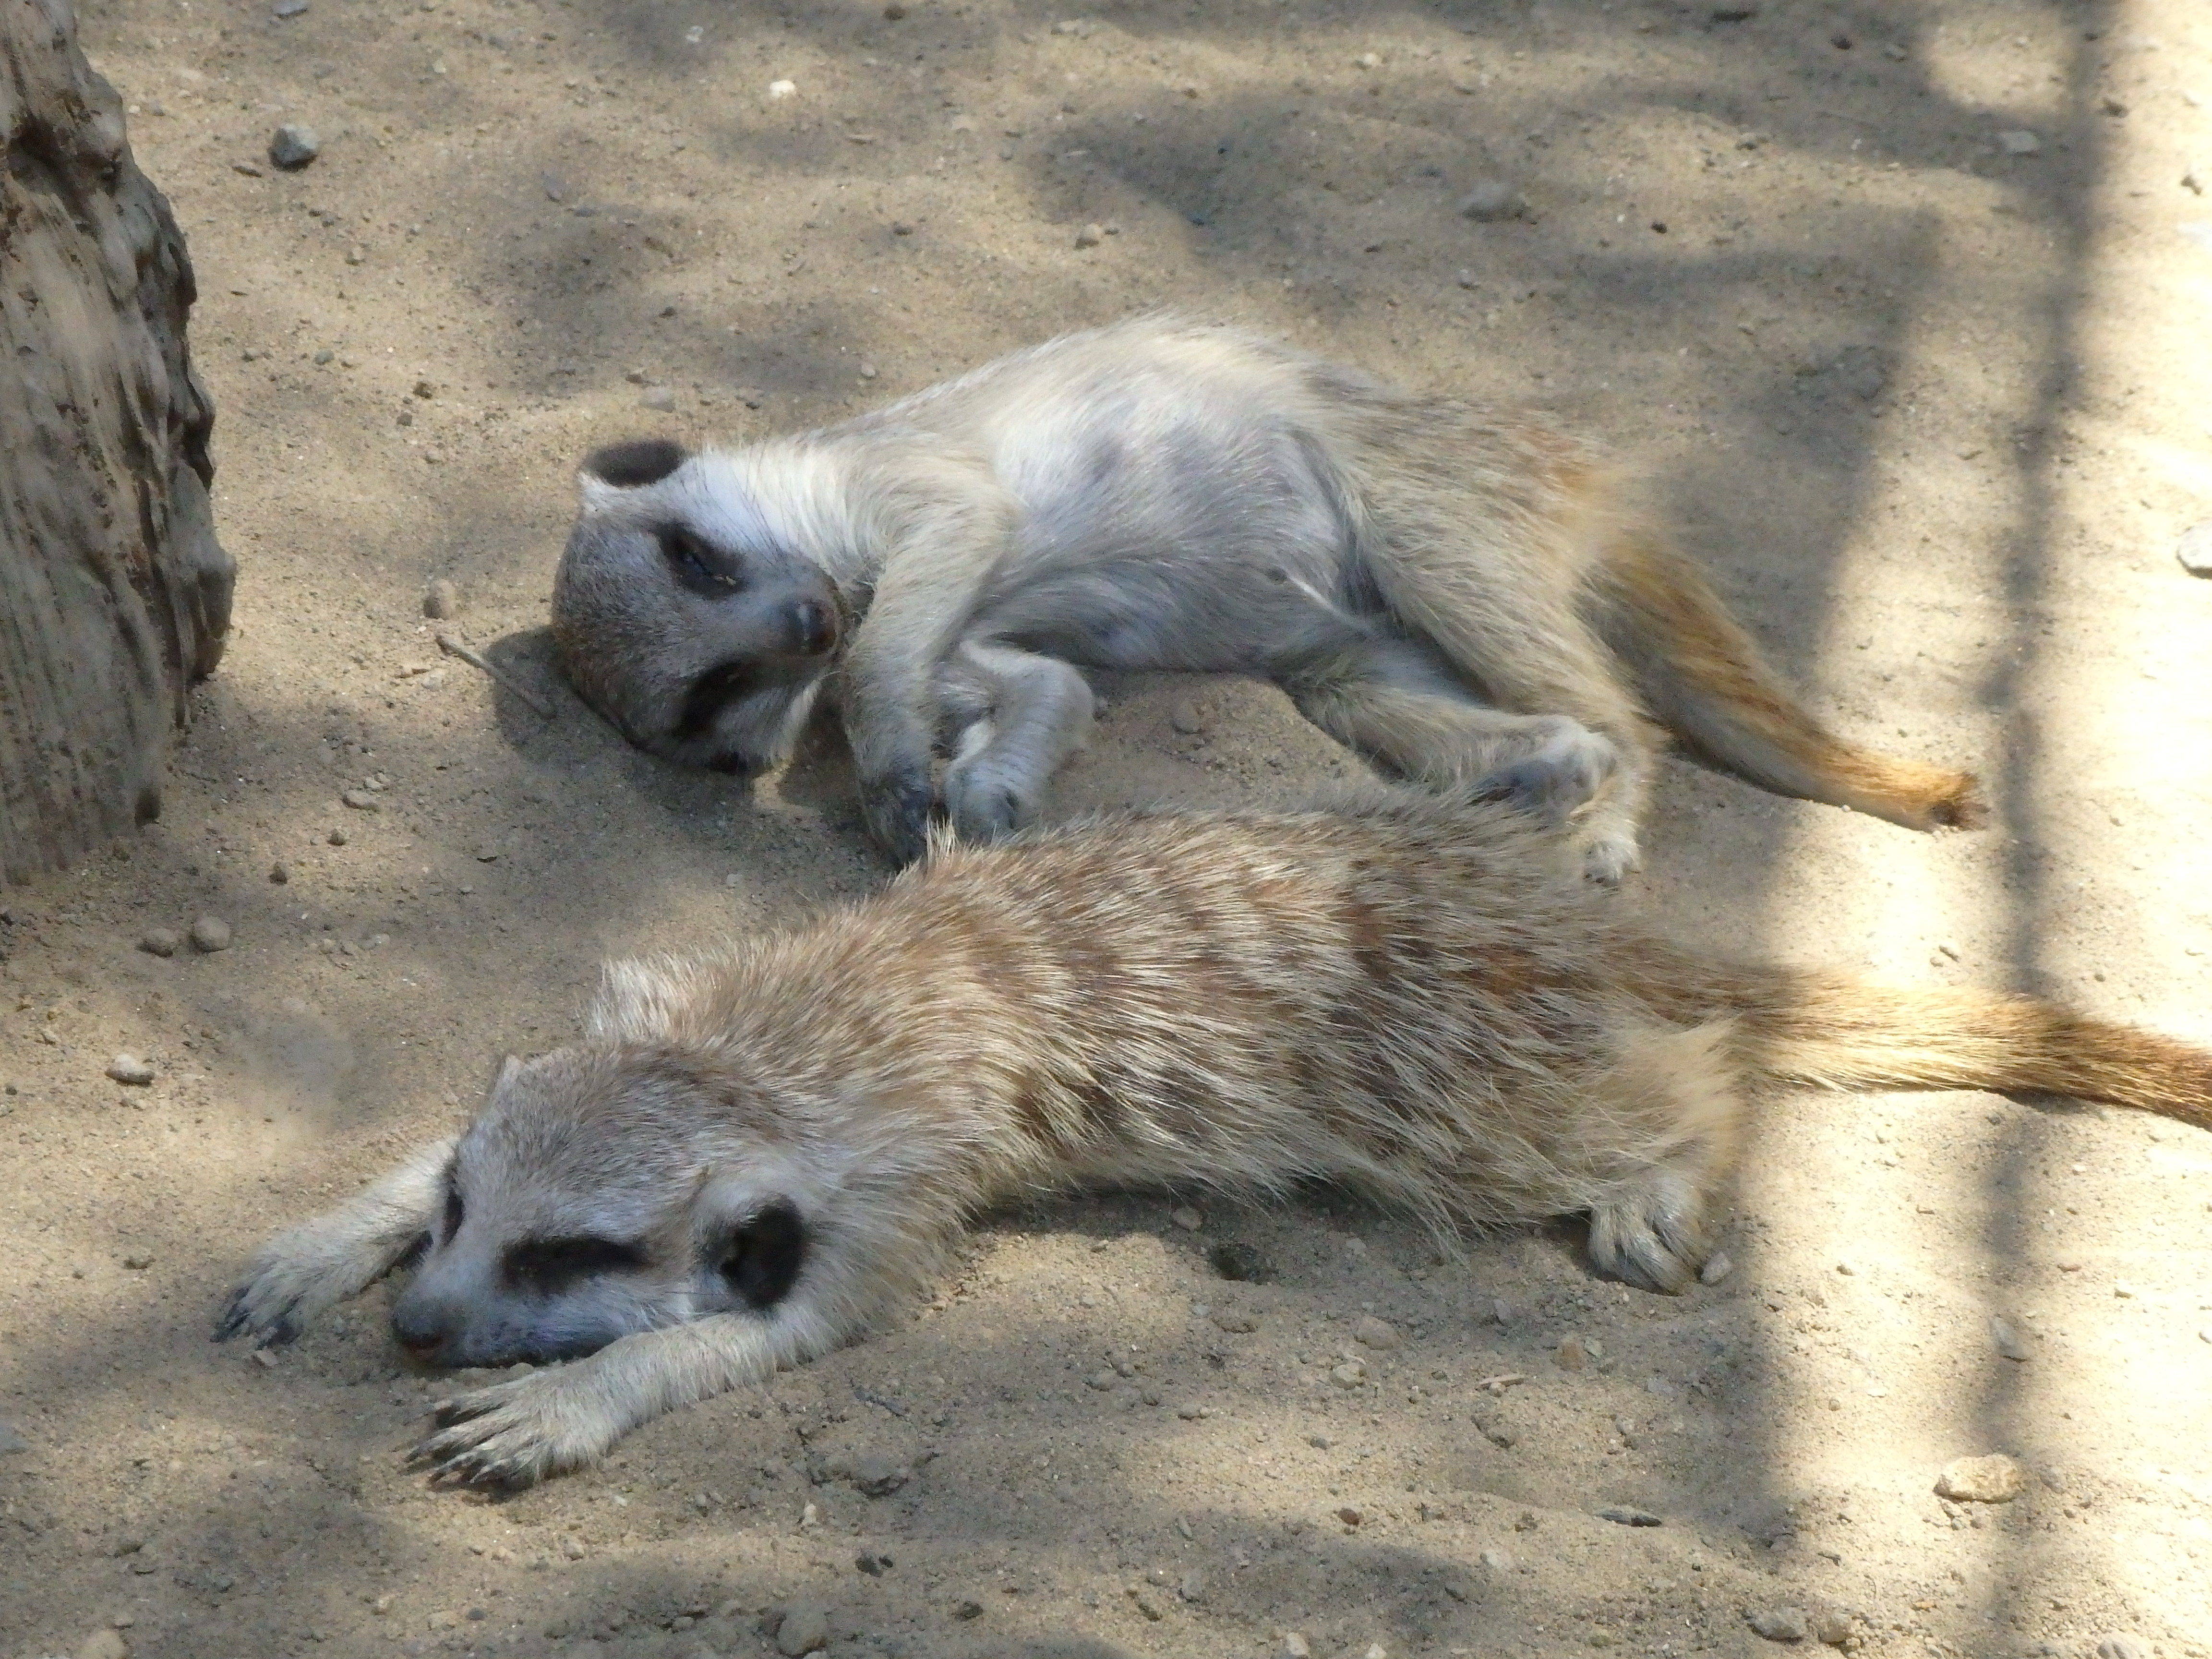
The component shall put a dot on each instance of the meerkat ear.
(636, 1004)
(629, 465)
(757, 1247)
(508, 1065)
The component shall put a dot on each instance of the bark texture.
(114, 592)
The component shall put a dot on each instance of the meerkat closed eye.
(754, 1155)
(1455, 592)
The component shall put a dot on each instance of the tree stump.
(114, 593)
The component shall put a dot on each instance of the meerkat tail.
(1705, 680)
(1832, 1031)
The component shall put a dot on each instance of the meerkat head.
(682, 616)
(605, 1189)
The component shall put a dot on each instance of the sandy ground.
(1932, 404)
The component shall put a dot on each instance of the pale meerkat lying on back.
(1448, 589)
(754, 1155)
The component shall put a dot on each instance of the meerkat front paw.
(984, 802)
(896, 807)
(1557, 778)
(516, 1433)
(299, 1275)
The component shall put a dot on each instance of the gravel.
(1372, 1332)
(1493, 200)
(160, 941)
(2195, 549)
(803, 1628)
(131, 1070)
(210, 934)
(441, 601)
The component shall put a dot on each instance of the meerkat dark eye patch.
(548, 1265)
(761, 1257)
(639, 461)
(711, 693)
(698, 565)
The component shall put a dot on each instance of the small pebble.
(12, 1439)
(1350, 1375)
(1493, 200)
(1188, 1218)
(211, 934)
(1718, 1266)
(2121, 1647)
(1234, 1320)
(875, 1475)
(337, 838)
(2009, 1341)
(1150, 1606)
(361, 800)
(571, 1548)
(805, 1628)
(1995, 1479)
(1350, 1514)
(1090, 236)
(441, 600)
(1241, 1262)
(1185, 718)
(138, 1264)
(103, 1645)
(1192, 1587)
(1627, 1515)
(288, 7)
(1372, 1332)
(873, 1564)
(1572, 1355)
(293, 146)
(159, 942)
(2019, 142)
(1295, 1645)
(1496, 1560)
(1779, 1624)
(280, 873)
(783, 88)
(131, 1070)
(1102, 1381)
(2195, 549)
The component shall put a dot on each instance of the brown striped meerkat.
(753, 1155)
(1448, 589)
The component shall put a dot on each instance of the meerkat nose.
(813, 626)
(421, 1330)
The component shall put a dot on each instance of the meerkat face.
(586, 1201)
(682, 616)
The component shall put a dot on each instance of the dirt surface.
(1931, 401)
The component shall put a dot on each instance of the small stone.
(292, 146)
(284, 9)
(1240, 1262)
(361, 800)
(337, 838)
(783, 88)
(1372, 1332)
(1995, 1479)
(1496, 1560)
(1192, 1587)
(571, 1548)
(1627, 1515)
(894, 12)
(425, 391)
(2008, 1341)
(1368, 60)
(867, 371)
(803, 1628)
(103, 1645)
(131, 1070)
(441, 600)
(2121, 1647)
(1718, 1266)
(2019, 142)
(1188, 1218)
(2195, 549)
(1572, 1355)
(1185, 718)
(139, 1264)
(875, 1475)
(1295, 1645)
(967, 1607)
(1779, 1624)
(873, 1564)
(280, 873)
(1350, 1375)
(12, 1439)
(1492, 199)
(1102, 1381)
(1235, 1321)
(159, 942)
(1150, 1605)
(1091, 236)
(659, 398)
(1846, 1270)
(1829, 1628)
(1734, 11)
(1350, 1514)
(210, 934)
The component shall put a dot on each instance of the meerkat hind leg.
(1672, 1106)
(1391, 703)
(310, 1268)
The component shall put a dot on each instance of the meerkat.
(755, 1156)
(1447, 589)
